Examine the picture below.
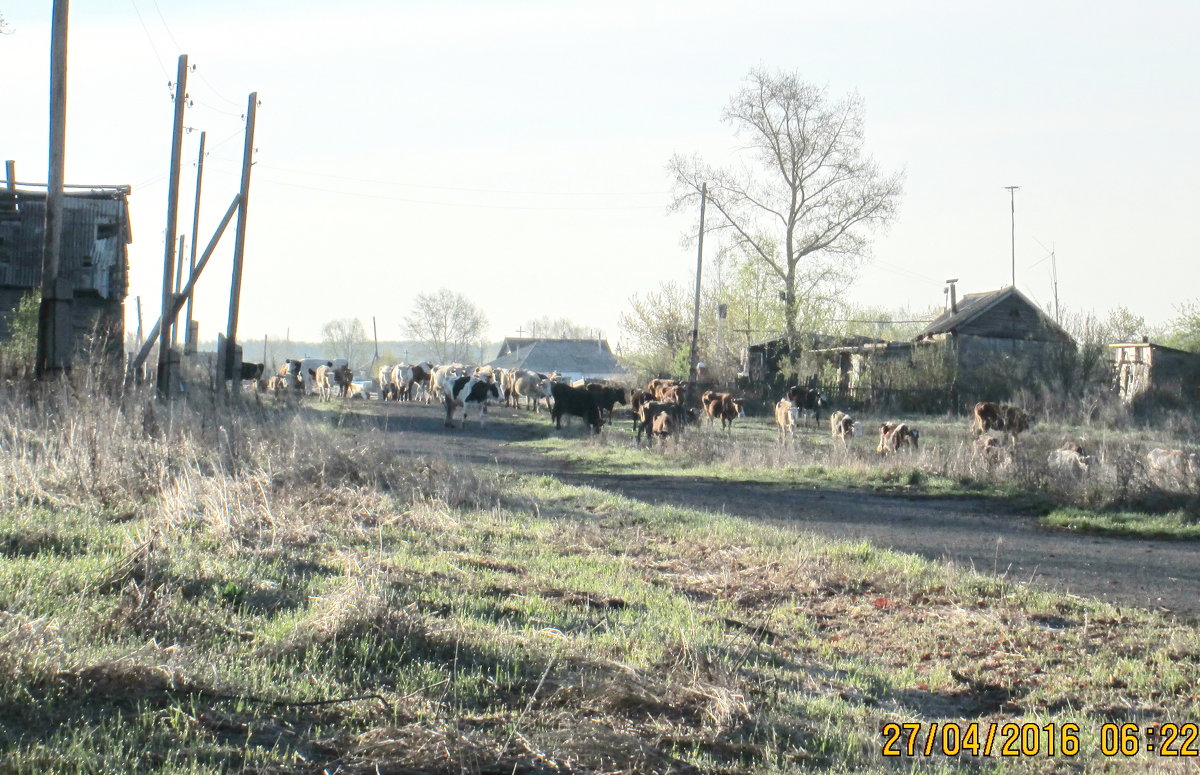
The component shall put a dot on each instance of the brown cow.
(637, 399)
(664, 425)
(989, 451)
(660, 388)
(894, 435)
(1006, 418)
(722, 405)
(648, 411)
(344, 377)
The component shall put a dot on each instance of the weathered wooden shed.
(982, 326)
(1141, 367)
(95, 260)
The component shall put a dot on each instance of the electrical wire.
(463, 189)
(468, 205)
(150, 40)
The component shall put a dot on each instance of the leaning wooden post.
(239, 240)
(168, 297)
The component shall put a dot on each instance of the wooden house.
(1141, 367)
(983, 326)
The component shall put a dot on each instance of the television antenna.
(1053, 274)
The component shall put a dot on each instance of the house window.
(86, 261)
(106, 230)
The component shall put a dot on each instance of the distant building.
(1141, 367)
(94, 259)
(1002, 322)
(981, 347)
(573, 358)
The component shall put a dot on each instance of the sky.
(516, 152)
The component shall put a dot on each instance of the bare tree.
(448, 323)
(803, 209)
(346, 338)
(546, 327)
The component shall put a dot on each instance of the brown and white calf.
(896, 435)
(842, 426)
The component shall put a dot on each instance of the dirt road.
(971, 533)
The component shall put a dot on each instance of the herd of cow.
(660, 410)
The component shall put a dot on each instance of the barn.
(573, 358)
(95, 259)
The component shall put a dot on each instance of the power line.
(463, 189)
(389, 198)
(166, 26)
(150, 40)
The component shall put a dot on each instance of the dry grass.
(257, 589)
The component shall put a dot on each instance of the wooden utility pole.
(164, 329)
(696, 307)
(178, 280)
(54, 313)
(189, 343)
(239, 240)
(177, 303)
(375, 333)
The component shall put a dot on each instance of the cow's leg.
(449, 414)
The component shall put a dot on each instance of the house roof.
(815, 341)
(973, 306)
(587, 357)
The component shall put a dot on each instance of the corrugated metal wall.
(95, 232)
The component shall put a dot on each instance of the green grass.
(1173, 524)
(708, 459)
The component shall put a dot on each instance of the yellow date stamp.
(1011, 738)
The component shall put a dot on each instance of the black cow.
(579, 402)
(606, 397)
(807, 400)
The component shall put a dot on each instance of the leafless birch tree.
(805, 201)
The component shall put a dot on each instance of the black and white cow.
(460, 391)
(808, 401)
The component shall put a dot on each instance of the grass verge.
(356, 612)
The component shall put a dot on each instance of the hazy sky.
(515, 151)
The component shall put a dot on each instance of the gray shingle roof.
(973, 305)
(586, 357)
